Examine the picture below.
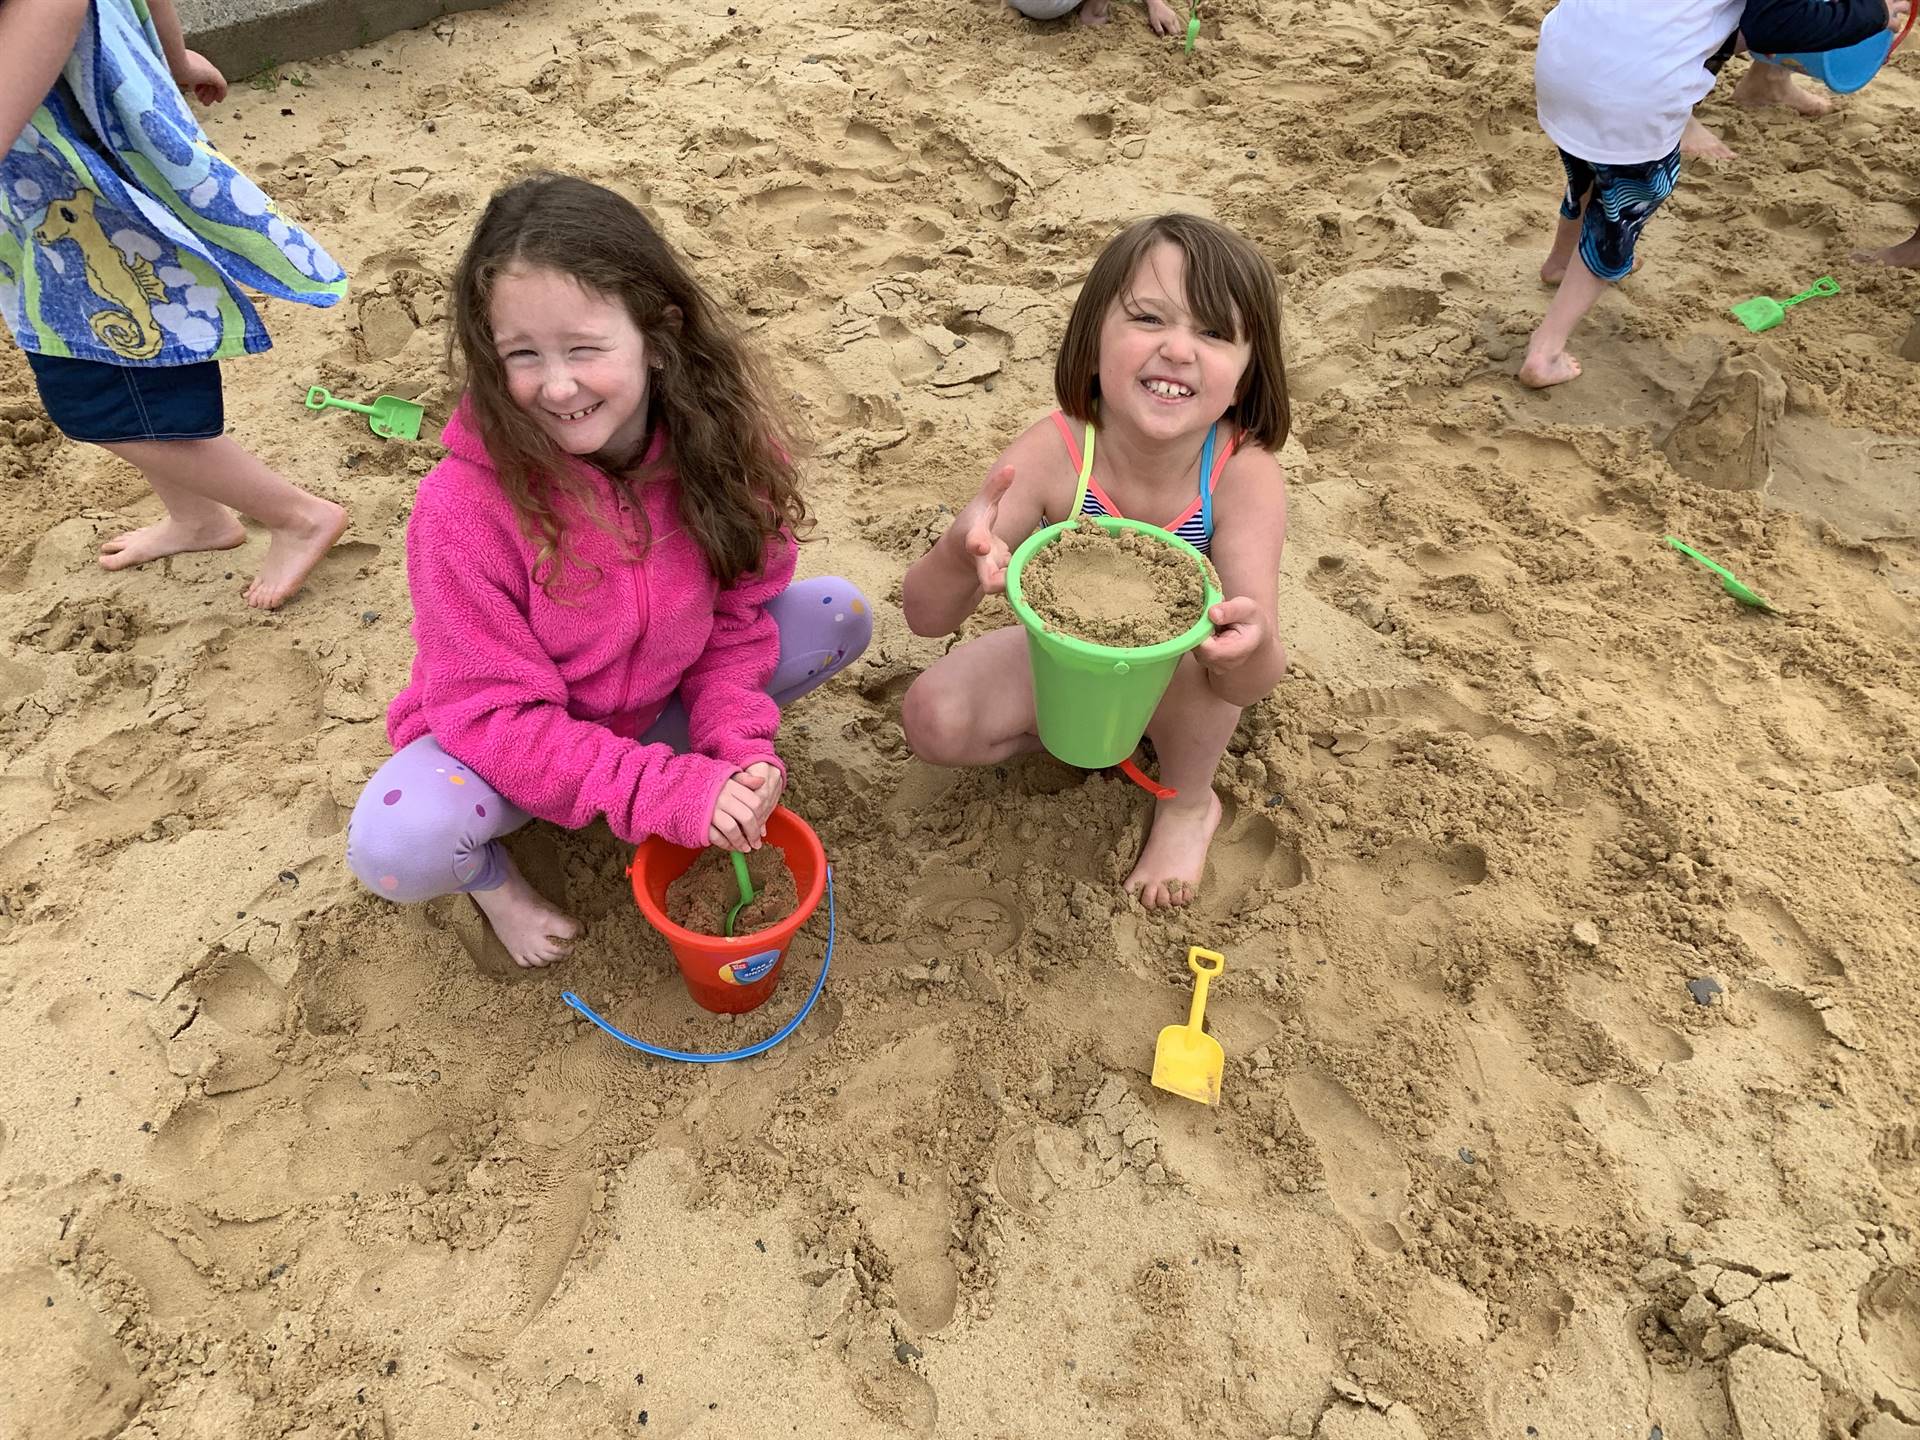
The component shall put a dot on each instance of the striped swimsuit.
(1195, 525)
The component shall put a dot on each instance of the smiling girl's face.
(574, 360)
(1162, 369)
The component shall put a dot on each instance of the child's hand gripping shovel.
(389, 417)
(1763, 312)
(1187, 1061)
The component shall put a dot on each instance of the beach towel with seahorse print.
(125, 236)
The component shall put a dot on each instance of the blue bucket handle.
(716, 1057)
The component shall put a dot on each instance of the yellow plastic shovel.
(1187, 1061)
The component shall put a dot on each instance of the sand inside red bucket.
(700, 898)
(1113, 588)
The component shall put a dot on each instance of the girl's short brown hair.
(729, 445)
(1230, 288)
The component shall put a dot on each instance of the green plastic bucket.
(1093, 702)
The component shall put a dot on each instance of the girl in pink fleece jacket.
(601, 572)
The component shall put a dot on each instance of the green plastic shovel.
(1763, 312)
(746, 890)
(1193, 25)
(389, 417)
(1727, 581)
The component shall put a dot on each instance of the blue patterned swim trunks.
(1623, 199)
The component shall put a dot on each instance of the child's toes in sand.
(1700, 143)
(1171, 862)
(1094, 12)
(1543, 370)
(293, 551)
(533, 932)
(175, 535)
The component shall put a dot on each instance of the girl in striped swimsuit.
(1171, 368)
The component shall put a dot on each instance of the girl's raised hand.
(1238, 631)
(990, 553)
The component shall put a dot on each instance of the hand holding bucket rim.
(1849, 69)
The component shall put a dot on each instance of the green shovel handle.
(1825, 285)
(318, 398)
(1693, 554)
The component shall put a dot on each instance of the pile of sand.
(1569, 909)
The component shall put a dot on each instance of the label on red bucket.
(754, 967)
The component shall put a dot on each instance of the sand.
(1113, 588)
(281, 1159)
(701, 897)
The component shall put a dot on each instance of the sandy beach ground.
(1571, 910)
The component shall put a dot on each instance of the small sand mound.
(699, 899)
(1113, 588)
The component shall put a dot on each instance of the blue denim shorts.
(105, 404)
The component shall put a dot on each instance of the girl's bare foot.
(1094, 12)
(293, 551)
(1700, 143)
(1541, 371)
(171, 537)
(1175, 855)
(533, 932)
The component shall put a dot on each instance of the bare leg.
(534, 932)
(1765, 84)
(974, 706)
(1906, 253)
(196, 480)
(1566, 239)
(1698, 142)
(1548, 362)
(1190, 732)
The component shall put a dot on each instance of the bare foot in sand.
(1094, 12)
(293, 551)
(1906, 253)
(1765, 84)
(1171, 862)
(1699, 143)
(218, 531)
(533, 932)
(1542, 371)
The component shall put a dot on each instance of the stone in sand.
(1726, 437)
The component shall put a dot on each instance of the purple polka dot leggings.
(427, 825)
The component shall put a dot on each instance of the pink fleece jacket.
(543, 694)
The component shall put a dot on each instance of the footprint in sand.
(1249, 862)
(239, 1020)
(1412, 873)
(955, 917)
(1366, 1178)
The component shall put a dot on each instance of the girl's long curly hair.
(729, 444)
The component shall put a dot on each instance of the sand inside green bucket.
(700, 898)
(1114, 588)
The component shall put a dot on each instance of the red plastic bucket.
(731, 975)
